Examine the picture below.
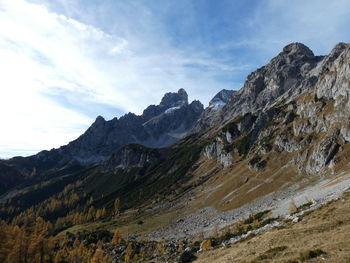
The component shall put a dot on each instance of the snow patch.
(217, 104)
(171, 110)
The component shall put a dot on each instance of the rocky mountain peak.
(337, 51)
(340, 47)
(216, 104)
(284, 74)
(99, 120)
(221, 98)
(98, 123)
(174, 99)
(197, 105)
(298, 48)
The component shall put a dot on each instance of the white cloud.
(42, 51)
(119, 47)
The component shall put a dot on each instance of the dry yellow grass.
(326, 230)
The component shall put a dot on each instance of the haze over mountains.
(201, 167)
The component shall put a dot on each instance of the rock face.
(297, 104)
(212, 112)
(159, 126)
(134, 155)
(285, 74)
(217, 150)
(220, 99)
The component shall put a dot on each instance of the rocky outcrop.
(217, 150)
(134, 155)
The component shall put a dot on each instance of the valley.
(180, 180)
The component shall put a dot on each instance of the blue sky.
(64, 62)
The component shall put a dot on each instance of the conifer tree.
(117, 206)
(117, 237)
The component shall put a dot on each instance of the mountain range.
(179, 169)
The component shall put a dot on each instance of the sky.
(64, 62)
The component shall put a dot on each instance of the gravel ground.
(278, 202)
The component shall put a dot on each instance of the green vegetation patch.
(242, 144)
(230, 127)
(257, 216)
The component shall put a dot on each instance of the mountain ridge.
(158, 126)
(282, 138)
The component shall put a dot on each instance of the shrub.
(275, 250)
(187, 257)
(206, 244)
(238, 228)
(260, 215)
(160, 248)
(242, 144)
(249, 220)
(180, 247)
(311, 254)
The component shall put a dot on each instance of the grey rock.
(159, 126)
(314, 160)
(216, 150)
(285, 143)
(220, 99)
(212, 112)
(284, 73)
(287, 104)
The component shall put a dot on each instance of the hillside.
(282, 138)
(321, 236)
(9, 177)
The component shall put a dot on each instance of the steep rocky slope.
(297, 104)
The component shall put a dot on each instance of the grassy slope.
(327, 229)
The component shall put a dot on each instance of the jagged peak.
(99, 119)
(298, 48)
(172, 99)
(182, 93)
(338, 48)
(197, 105)
(341, 45)
(223, 95)
(98, 122)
